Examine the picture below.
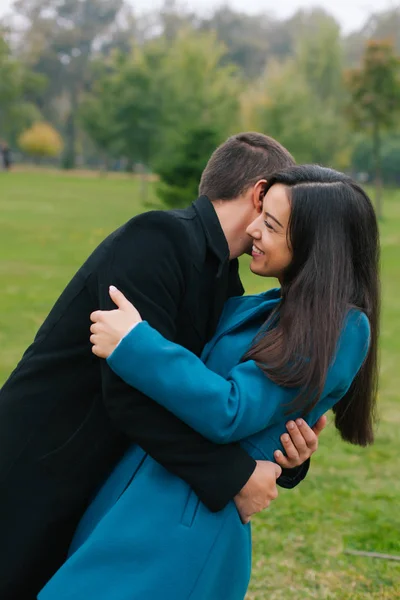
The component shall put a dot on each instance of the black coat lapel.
(220, 295)
(227, 284)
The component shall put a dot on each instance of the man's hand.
(259, 490)
(300, 442)
(110, 326)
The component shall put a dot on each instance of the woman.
(288, 353)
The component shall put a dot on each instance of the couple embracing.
(158, 407)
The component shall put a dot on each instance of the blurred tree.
(254, 40)
(381, 25)
(121, 34)
(152, 104)
(363, 158)
(17, 84)
(291, 112)
(198, 87)
(122, 112)
(139, 105)
(139, 85)
(245, 37)
(61, 38)
(319, 58)
(173, 17)
(375, 100)
(97, 115)
(198, 92)
(285, 36)
(180, 175)
(41, 141)
(300, 100)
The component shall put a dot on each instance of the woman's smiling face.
(271, 251)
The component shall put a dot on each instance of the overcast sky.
(350, 13)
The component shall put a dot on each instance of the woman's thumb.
(119, 299)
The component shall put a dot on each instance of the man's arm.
(150, 266)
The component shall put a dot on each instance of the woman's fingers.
(304, 438)
(320, 425)
(291, 450)
(96, 315)
(299, 443)
(119, 299)
(282, 460)
(94, 328)
(98, 348)
(97, 351)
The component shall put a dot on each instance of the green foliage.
(375, 99)
(380, 25)
(180, 174)
(375, 88)
(138, 83)
(97, 115)
(129, 87)
(162, 100)
(122, 113)
(60, 42)
(363, 157)
(198, 92)
(300, 100)
(319, 59)
(293, 114)
(41, 141)
(197, 89)
(16, 84)
(247, 38)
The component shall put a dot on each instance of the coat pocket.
(190, 510)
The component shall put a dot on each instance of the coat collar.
(216, 239)
(227, 281)
(227, 276)
(238, 310)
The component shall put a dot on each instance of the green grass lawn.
(49, 223)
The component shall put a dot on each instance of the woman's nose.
(253, 230)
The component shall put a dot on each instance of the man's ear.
(259, 193)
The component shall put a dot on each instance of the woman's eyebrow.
(272, 217)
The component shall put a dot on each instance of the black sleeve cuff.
(292, 477)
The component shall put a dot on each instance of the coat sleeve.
(149, 264)
(224, 410)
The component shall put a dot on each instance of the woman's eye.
(269, 226)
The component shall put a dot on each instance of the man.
(66, 419)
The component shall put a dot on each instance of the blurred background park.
(109, 108)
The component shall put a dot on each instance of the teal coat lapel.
(239, 310)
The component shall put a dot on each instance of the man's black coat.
(66, 418)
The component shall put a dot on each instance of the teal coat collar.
(240, 309)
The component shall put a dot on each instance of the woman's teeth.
(256, 250)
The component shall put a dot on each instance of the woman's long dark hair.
(333, 233)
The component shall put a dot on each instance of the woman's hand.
(110, 326)
(300, 442)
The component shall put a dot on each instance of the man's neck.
(231, 215)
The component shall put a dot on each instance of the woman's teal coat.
(146, 535)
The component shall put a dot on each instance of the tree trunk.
(69, 160)
(378, 171)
